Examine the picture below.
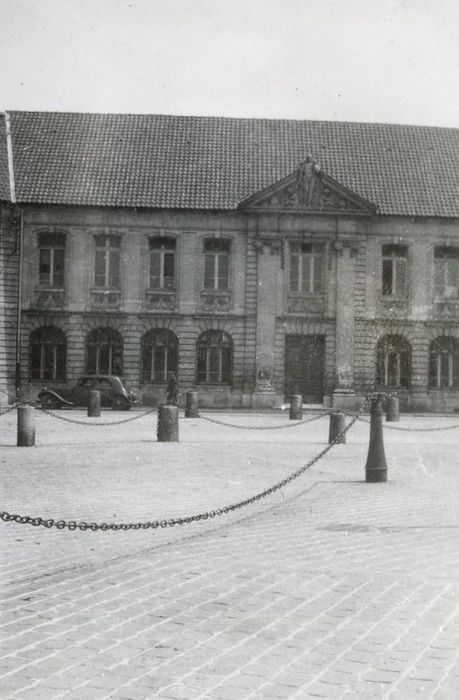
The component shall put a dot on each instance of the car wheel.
(120, 404)
(49, 401)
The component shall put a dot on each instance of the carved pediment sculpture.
(308, 189)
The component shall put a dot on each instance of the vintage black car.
(112, 393)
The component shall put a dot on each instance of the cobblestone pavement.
(329, 588)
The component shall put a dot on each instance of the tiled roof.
(125, 160)
(5, 192)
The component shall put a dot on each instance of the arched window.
(104, 352)
(444, 362)
(393, 362)
(215, 356)
(159, 355)
(47, 355)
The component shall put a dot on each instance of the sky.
(348, 60)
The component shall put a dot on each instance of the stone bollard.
(392, 410)
(94, 404)
(296, 407)
(26, 426)
(337, 425)
(376, 466)
(168, 430)
(192, 405)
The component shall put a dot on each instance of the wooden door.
(304, 367)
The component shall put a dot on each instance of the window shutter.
(294, 272)
(58, 272)
(400, 277)
(209, 271)
(155, 269)
(45, 266)
(387, 266)
(318, 273)
(223, 271)
(169, 271)
(100, 268)
(114, 269)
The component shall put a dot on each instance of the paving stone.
(334, 588)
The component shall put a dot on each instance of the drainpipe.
(17, 380)
(18, 217)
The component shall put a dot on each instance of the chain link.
(8, 410)
(412, 430)
(264, 427)
(99, 424)
(171, 522)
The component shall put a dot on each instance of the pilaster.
(269, 252)
(344, 395)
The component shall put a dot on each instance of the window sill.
(390, 299)
(215, 300)
(301, 303)
(105, 298)
(160, 300)
(214, 386)
(49, 298)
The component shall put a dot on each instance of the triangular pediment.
(308, 189)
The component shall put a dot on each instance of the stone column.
(268, 263)
(344, 397)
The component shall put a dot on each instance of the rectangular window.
(107, 261)
(51, 260)
(162, 263)
(216, 263)
(394, 270)
(307, 268)
(446, 278)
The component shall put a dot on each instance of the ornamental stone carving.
(160, 301)
(105, 299)
(49, 299)
(273, 245)
(352, 244)
(265, 378)
(309, 189)
(311, 304)
(215, 301)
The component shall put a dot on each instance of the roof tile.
(214, 163)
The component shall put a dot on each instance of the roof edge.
(9, 151)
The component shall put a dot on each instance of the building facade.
(222, 251)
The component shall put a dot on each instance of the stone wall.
(351, 313)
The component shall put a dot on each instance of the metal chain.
(99, 424)
(171, 522)
(413, 430)
(7, 410)
(421, 430)
(264, 427)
